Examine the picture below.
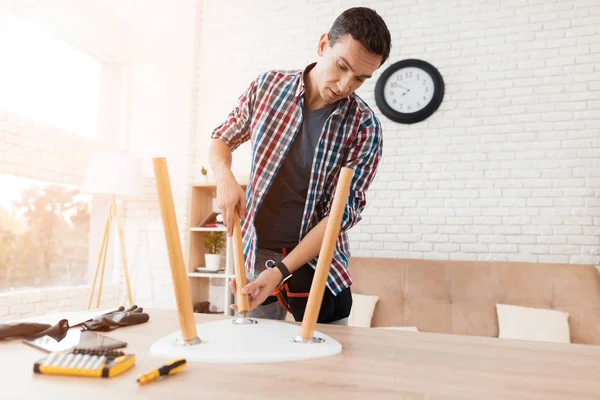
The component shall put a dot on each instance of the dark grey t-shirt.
(279, 218)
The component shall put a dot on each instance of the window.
(44, 234)
(45, 79)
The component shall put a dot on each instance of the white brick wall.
(33, 150)
(28, 303)
(161, 82)
(507, 169)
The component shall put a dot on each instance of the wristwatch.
(285, 272)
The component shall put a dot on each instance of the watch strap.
(285, 272)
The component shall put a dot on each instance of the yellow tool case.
(85, 362)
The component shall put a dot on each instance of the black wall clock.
(409, 91)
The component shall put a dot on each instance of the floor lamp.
(114, 175)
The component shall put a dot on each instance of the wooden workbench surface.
(374, 364)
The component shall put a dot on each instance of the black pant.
(333, 307)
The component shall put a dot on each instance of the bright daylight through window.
(45, 79)
(44, 234)
(44, 226)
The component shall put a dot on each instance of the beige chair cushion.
(399, 328)
(527, 323)
(362, 310)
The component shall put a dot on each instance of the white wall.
(507, 169)
(161, 84)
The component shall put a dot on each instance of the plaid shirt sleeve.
(235, 130)
(363, 158)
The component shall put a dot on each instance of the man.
(303, 126)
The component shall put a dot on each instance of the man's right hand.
(230, 196)
(258, 290)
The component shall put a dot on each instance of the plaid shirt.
(269, 114)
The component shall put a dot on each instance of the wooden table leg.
(178, 273)
(332, 232)
(240, 268)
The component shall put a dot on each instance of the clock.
(409, 91)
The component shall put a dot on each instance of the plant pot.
(213, 261)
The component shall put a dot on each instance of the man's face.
(343, 68)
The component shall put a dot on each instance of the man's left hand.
(260, 289)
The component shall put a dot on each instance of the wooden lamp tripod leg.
(110, 218)
(124, 259)
(101, 255)
(332, 232)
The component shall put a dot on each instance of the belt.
(275, 296)
(269, 300)
(281, 250)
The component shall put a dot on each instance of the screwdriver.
(171, 368)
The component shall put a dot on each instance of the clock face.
(409, 90)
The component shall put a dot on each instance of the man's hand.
(230, 196)
(260, 289)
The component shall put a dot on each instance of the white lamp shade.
(113, 173)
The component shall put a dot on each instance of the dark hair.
(366, 26)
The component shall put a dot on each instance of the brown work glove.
(32, 330)
(115, 319)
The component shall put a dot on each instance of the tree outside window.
(44, 236)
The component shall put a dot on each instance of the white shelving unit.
(209, 275)
(200, 282)
(203, 229)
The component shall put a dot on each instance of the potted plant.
(204, 175)
(214, 242)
